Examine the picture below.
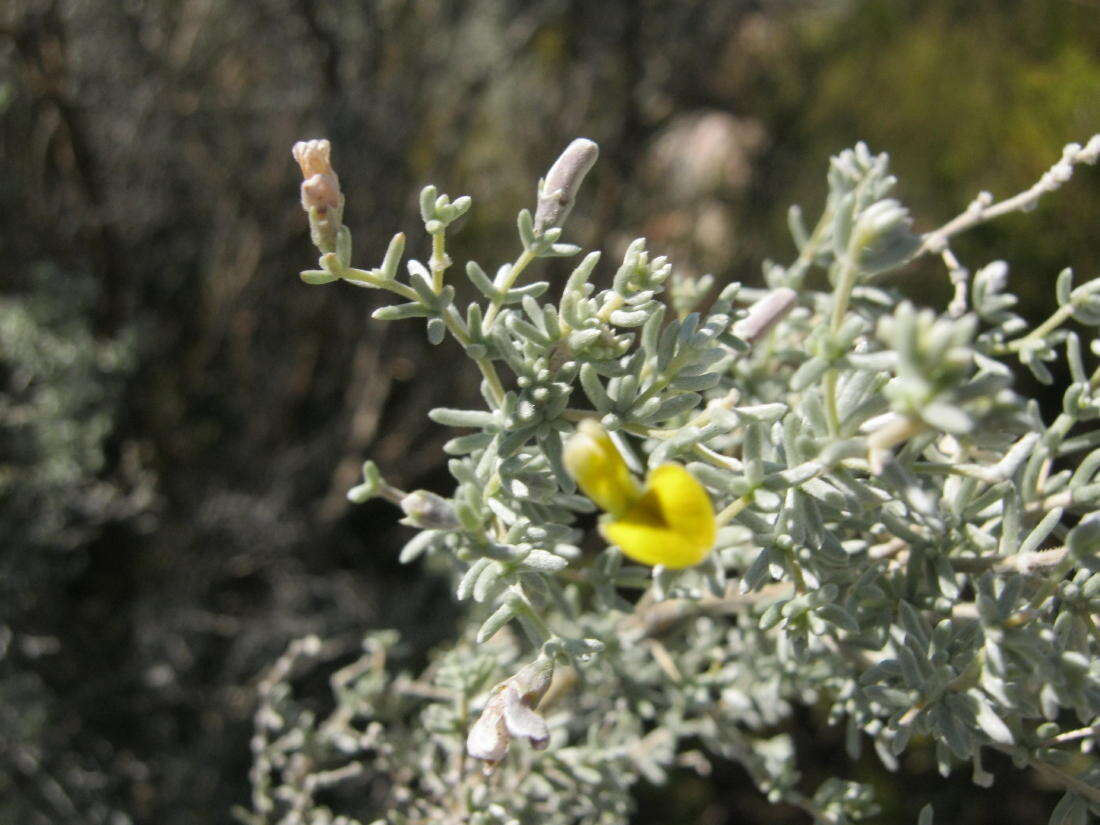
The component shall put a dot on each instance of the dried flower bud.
(488, 738)
(522, 722)
(558, 191)
(314, 156)
(320, 187)
(321, 192)
(510, 713)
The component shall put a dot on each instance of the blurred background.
(180, 416)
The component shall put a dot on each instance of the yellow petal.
(592, 459)
(672, 523)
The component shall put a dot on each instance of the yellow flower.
(670, 521)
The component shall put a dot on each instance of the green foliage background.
(180, 417)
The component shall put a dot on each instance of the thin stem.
(361, 275)
(1063, 314)
(846, 281)
(732, 510)
(960, 281)
(1063, 778)
(1094, 379)
(439, 262)
(806, 255)
(832, 412)
(981, 209)
(503, 284)
(458, 329)
(1073, 736)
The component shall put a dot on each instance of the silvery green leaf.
(427, 202)
(752, 449)
(528, 331)
(470, 577)
(416, 546)
(945, 578)
(837, 615)
(888, 759)
(797, 227)
(531, 290)
(317, 276)
(392, 258)
(437, 330)
(1040, 532)
(914, 624)
(988, 720)
(695, 383)
(1074, 360)
(526, 228)
(925, 816)
(559, 250)
(399, 312)
(544, 562)
(953, 733)
(1083, 540)
(482, 281)
(809, 373)
(843, 221)
(512, 440)
(1086, 496)
(500, 617)
(1030, 360)
(579, 278)
(757, 572)
(623, 318)
(884, 671)
(488, 581)
(911, 671)
(887, 697)
(594, 388)
(477, 419)
(1063, 286)
(465, 444)
(947, 417)
(651, 331)
(343, 246)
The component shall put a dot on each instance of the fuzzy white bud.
(558, 191)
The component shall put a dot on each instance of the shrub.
(887, 529)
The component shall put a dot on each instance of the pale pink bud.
(314, 157)
(321, 187)
(321, 192)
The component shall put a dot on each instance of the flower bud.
(510, 713)
(320, 187)
(321, 192)
(488, 738)
(428, 511)
(558, 191)
(765, 314)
